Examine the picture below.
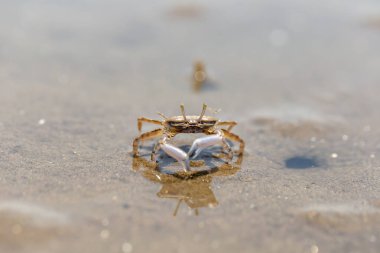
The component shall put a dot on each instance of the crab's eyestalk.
(203, 112)
(183, 112)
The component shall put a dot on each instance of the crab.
(184, 124)
(199, 76)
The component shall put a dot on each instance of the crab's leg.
(155, 150)
(144, 137)
(172, 151)
(231, 124)
(142, 119)
(208, 141)
(234, 137)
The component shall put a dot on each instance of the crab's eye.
(175, 124)
(208, 123)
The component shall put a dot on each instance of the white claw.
(204, 142)
(177, 154)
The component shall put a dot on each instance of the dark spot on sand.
(301, 162)
(16, 149)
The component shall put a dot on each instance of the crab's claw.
(177, 154)
(208, 141)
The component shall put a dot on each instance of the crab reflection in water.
(192, 188)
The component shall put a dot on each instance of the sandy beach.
(300, 78)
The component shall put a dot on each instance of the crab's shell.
(191, 124)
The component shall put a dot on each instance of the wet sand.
(301, 80)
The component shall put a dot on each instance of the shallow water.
(301, 80)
